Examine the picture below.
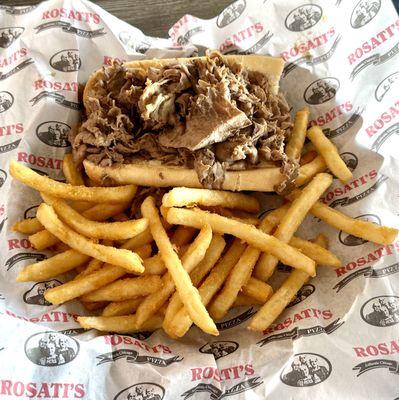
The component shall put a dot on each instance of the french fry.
(294, 146)
(94, 306)
(119, 194)
(308, 157)
(183, 235)
(178, 271)
(121, 217)
(121, 257)
(92, 266)
(60, 247)
(52, 267)
(258, 290)
(322, 241)
(356, 227)
(187, 197)
(308, 171)
(181, 323)
(154, 265)
(248, 233)
(93, 229)
(238, 215)
(291, 221)
(330, 154)
(71, 173)
(125, 307)
(120, 324)
(43, 239)
(28, 226)
(140, 240)
(125, 289)
(244, 300)
(101, 212)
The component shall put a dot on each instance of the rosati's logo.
(35, 295)
(303, 293)
(306, 369)
(391, 365)
(230, 13)
(135, 44)
(332, 133)
(133, 357)
(381, 311)
(219, 349)
(321, 90)
(3, 177)
(239, 319)
(68, 28)
(18, 10)
(53, 133)
(31, 212)
(394, 129)
(67, 60)
(369, 273)
(185, 39)
(16, 258)
(142, 391)
(51, 349)
(6, 101)
(303, 17)
(364, 12)
(297, 333)
(350, 160)
(58, 99)
(9, 35)
(350, 240)
(386, 85)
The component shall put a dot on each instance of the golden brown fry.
(183, 235)
(290, 223)
(140, 240)
(187, 197)
(294, 146)
(258, 290)
(121, 257)
(154, 265)
(71, 173)
(43, 239)
(308, 157)
(120, 324)
(321, 240)
(28, 226)
(243, 300)
(237, 215)
(94, 306)
(92, 266)
(356, 227)
(119, 194)
(248, 233)
(101, 212)
(309, 170)
(52, 267)
(125, 289)
(329, 152)
(125, 307)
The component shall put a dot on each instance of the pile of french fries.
(202, 253)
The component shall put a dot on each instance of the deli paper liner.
(341, 61)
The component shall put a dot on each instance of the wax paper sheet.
(339, 337)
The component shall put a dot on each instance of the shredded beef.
(205, 115)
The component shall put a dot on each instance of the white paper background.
(251, 371)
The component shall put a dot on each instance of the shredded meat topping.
(205, 114)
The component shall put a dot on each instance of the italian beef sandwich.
(214, 121)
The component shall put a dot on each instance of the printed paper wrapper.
(338, 338)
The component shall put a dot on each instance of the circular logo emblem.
(66, 60)
(381, 311)
(53, 133)
(303, 17)
(385, 86)
(302, 294)
(3, 177)
(350, 160)
(306, 369)
(51, 349)
(136, 45)
(142, 391)
(230, 13)
(350, 240)
(321, 91)
(6, 101)
(364, 12)
(219, 349)
(35, 295)
(9, 35)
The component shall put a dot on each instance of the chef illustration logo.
(381, 311)
(3, 177)
(51, 349)
(303, 17)
(321, 90)
(6, 101)
(302, 294)
(219, 349)
(364, 12)
(66, 60)
(230, 13)
(35, 295)
(53, 133)
(142, 391)
(135, 44)
(9, 35)
(306, 369)
(350, 240)
(350, 160)
(386, 85)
